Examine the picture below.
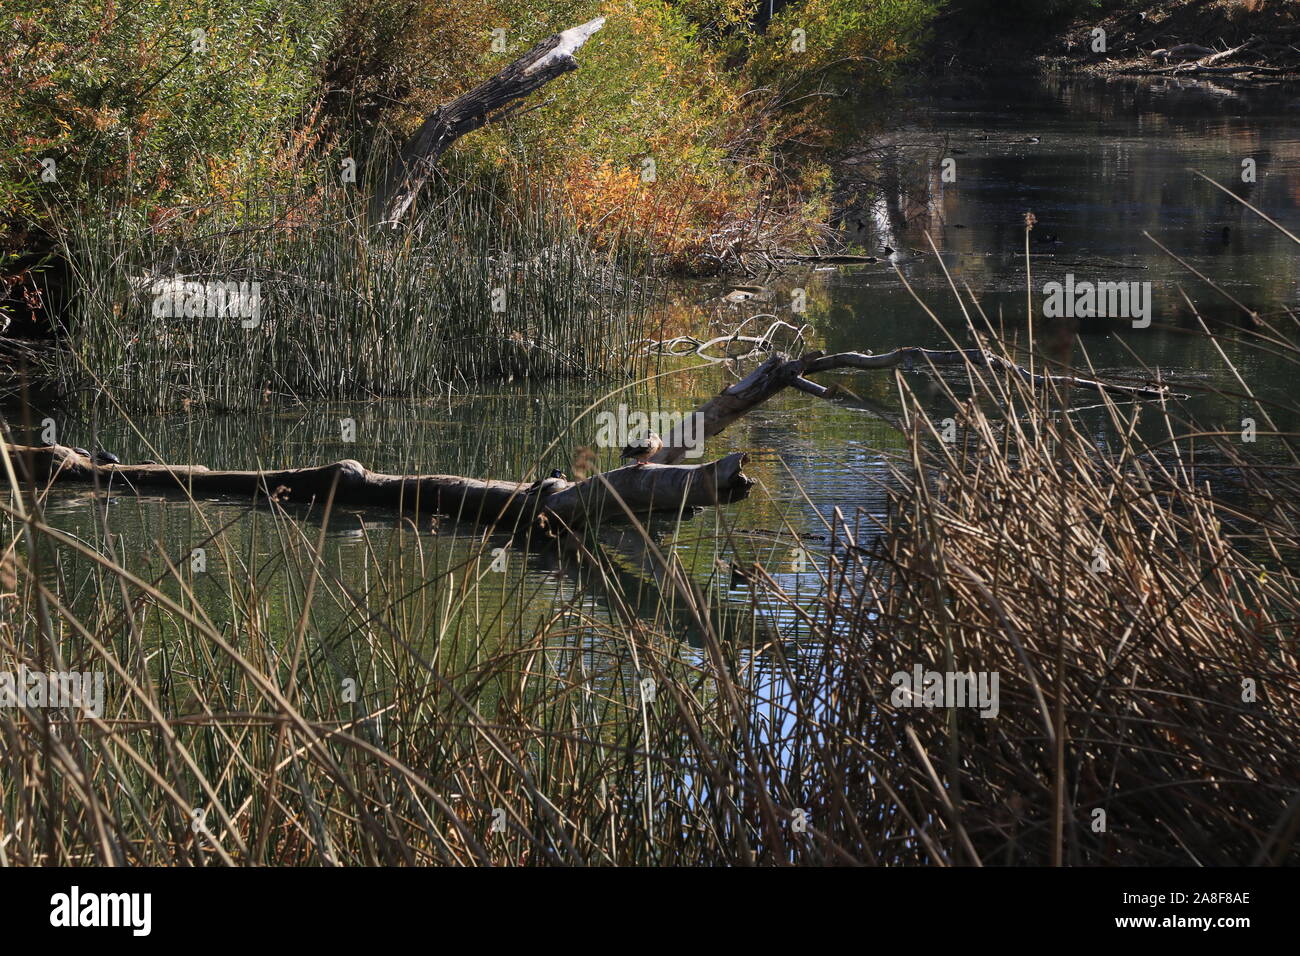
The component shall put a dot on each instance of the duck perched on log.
(540, 483)
(641, 448)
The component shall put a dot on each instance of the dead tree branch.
(781, 371)
(413, 168)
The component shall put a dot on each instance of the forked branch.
(781, 371)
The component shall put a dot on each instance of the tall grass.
(479, 288)
(1143, 616)
(1138, 600)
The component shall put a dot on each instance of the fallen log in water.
(553, 504)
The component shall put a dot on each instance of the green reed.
(486, 283)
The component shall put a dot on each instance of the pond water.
(1110, 162)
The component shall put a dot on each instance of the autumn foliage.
(671, 137)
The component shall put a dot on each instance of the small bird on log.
(642, 448)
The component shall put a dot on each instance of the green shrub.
(128, 97)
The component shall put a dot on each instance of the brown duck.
(642, 448)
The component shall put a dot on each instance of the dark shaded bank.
(1241, 41)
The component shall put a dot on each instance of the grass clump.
(479, 289)
(1141, 615)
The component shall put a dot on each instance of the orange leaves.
(672, 218)
(597, 192)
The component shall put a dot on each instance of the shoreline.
(1221, 40)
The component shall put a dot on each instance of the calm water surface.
(1112, 161)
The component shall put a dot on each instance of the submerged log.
(413, 168)
(553, 504)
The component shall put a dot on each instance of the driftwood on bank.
(552, 505)
(413, 167)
